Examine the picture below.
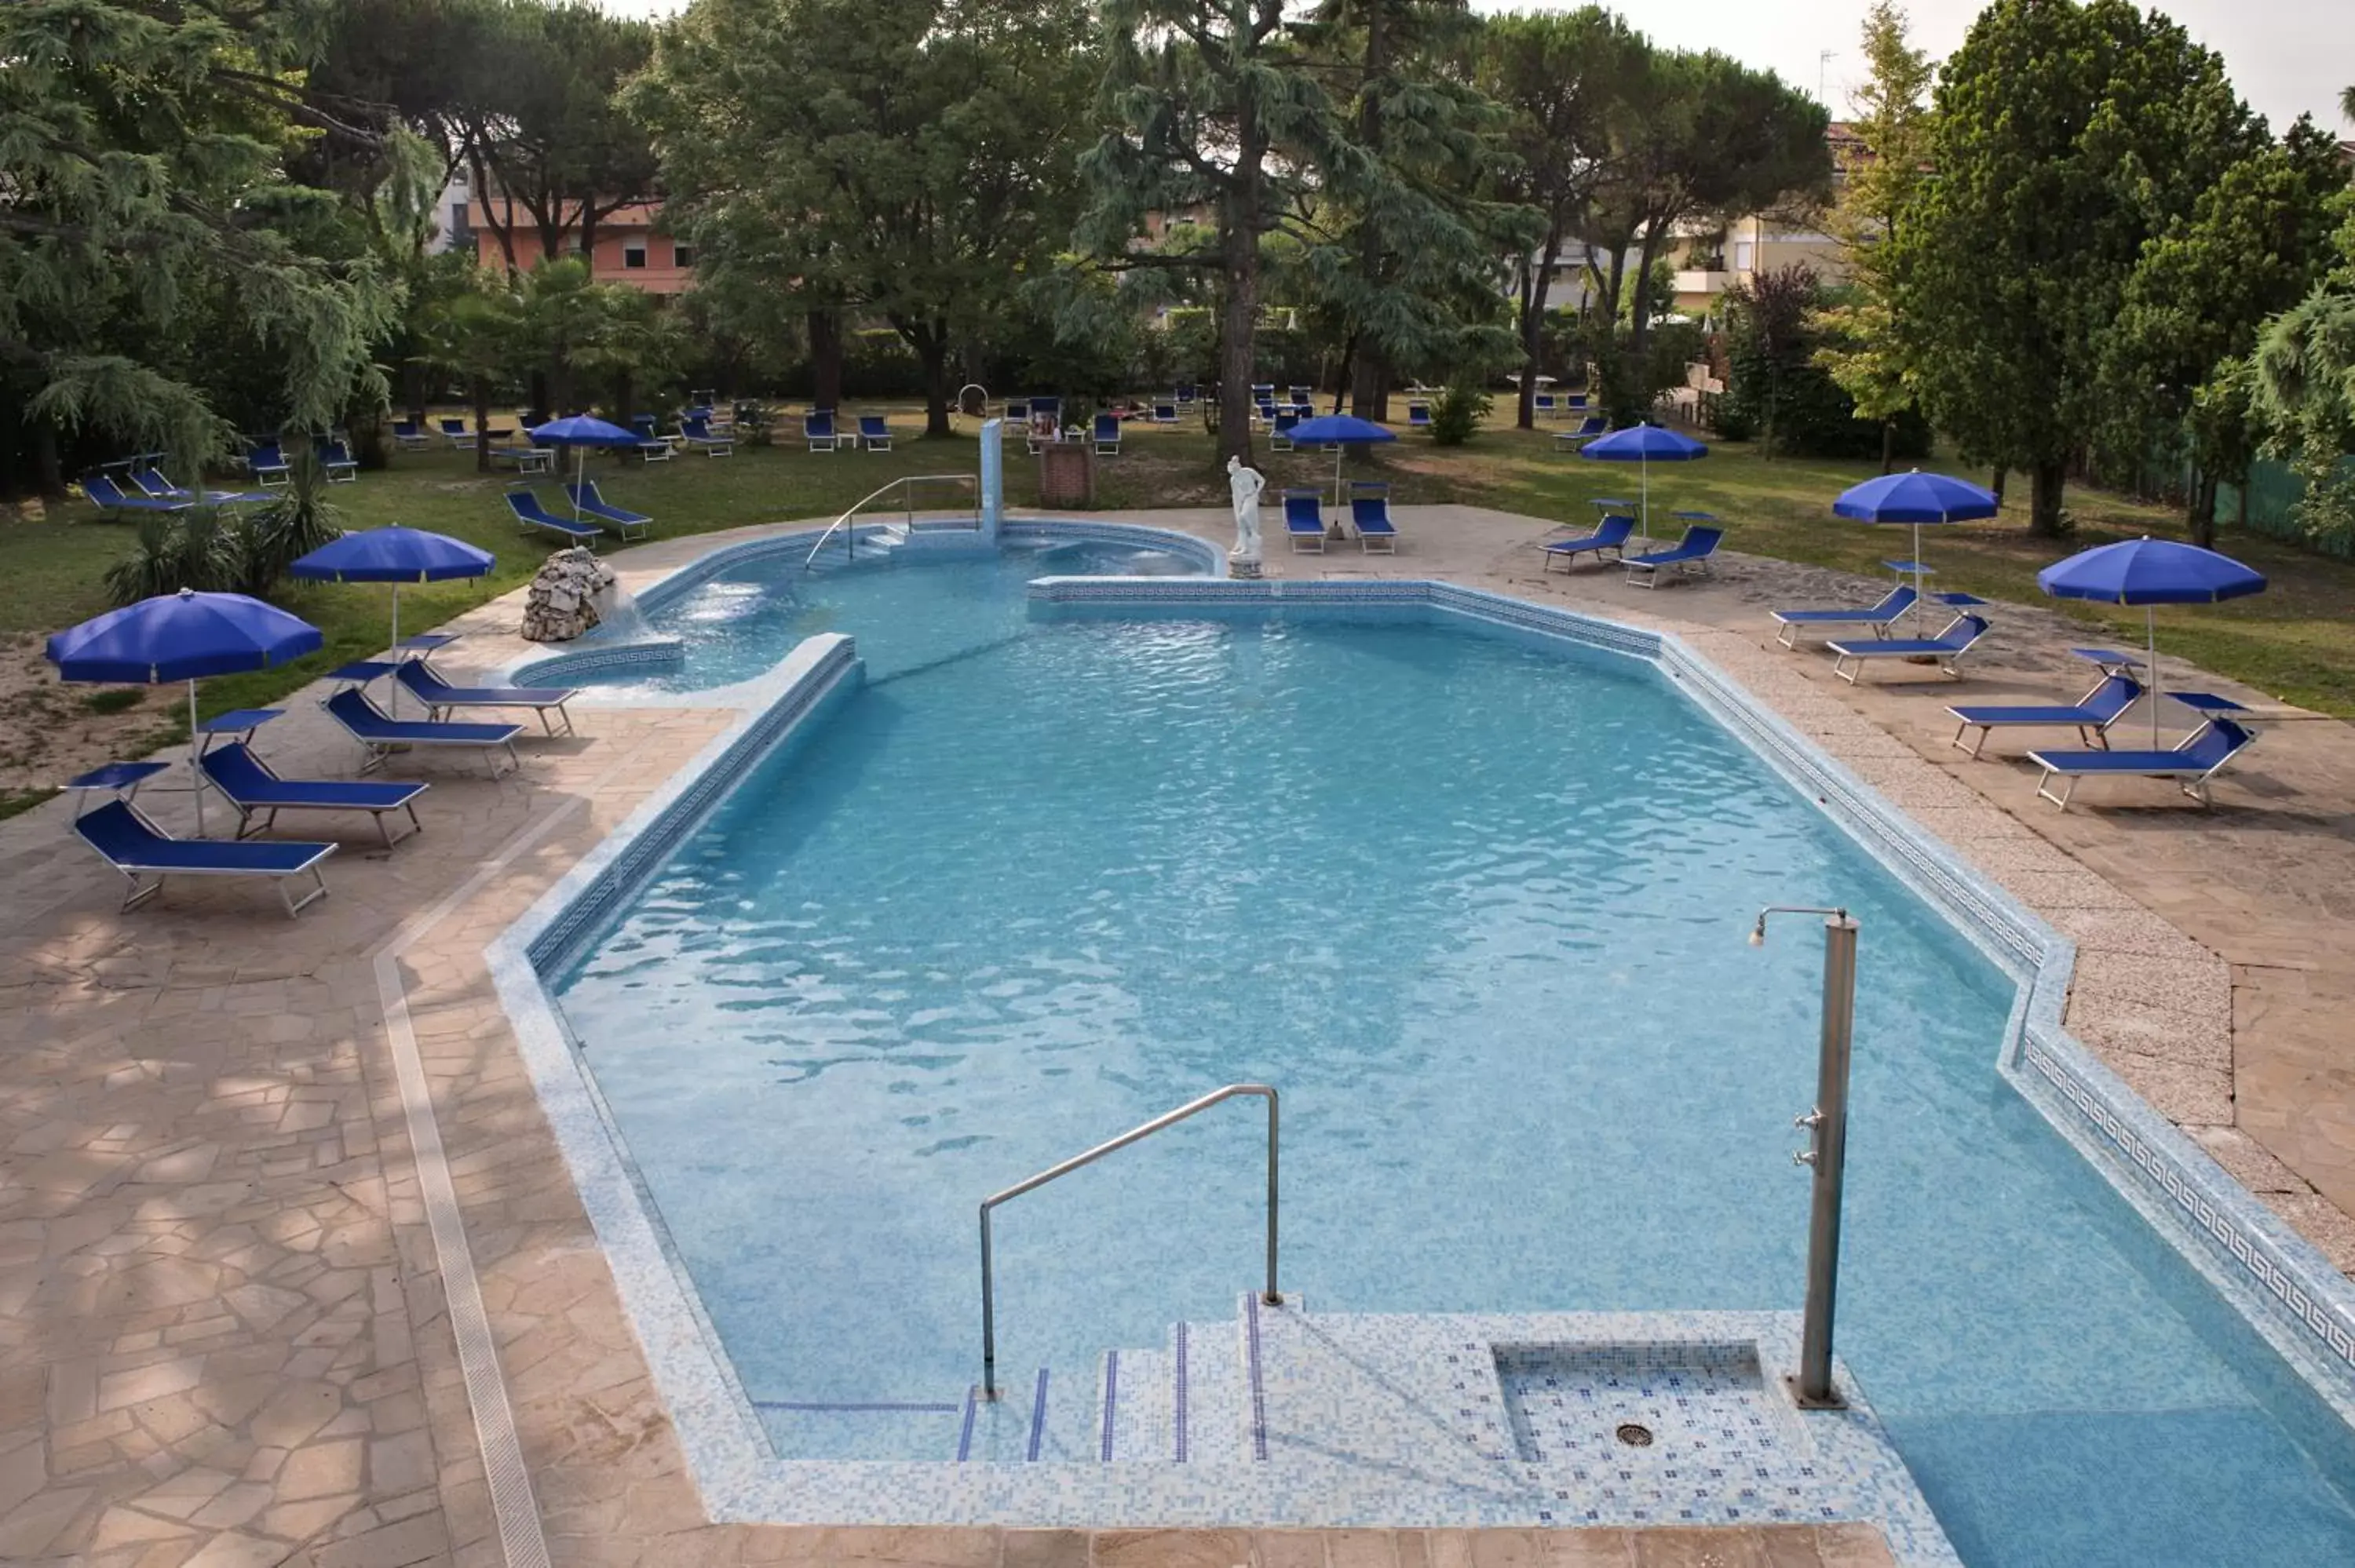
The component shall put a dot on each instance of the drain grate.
(1634, 1435)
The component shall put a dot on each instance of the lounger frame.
(2093, 730)
(1849, 663)
(132, 871)
(1874, 617)
(381, 750)
(439, 711)
(2193, 781)
(268, 812)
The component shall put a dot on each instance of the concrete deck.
(229, 1330)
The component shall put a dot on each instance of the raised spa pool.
(1478, 909)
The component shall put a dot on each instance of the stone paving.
(226, 1337)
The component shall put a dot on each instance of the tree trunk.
(1346, 375)
(482, 424)
(1533, 293)
(48, 473)
(626, 397)
(825, 359)
(932, 344)
(413, 389)
(2050, 478)
(1366, 380)
(1995, 484)
(1888, 446)
(1239, 337)
(539, 393)
(2200, 517)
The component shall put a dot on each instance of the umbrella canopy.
(2150, 572)
(184, 636)
(1916, 499)
(582, 430)
(394, 554)
(1338, 430)
(1644, 445)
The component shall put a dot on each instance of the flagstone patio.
(259, 1179)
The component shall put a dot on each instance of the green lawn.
(2296, 640)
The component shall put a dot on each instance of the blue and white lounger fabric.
(698, 433)
(874, 433)
(336, 461)
(1370, 517)
(1304, 521)
(628, 525)
(255, 791)
(1106, 429)
(128, 841)
(2191, 765)
(113, 500)
(1876, 618)
(817, 428)
(1955, 640)
(1612, 534)
(381, 735)
(1689, 554)
(532, 515)
(441, 697)
(2090, 715)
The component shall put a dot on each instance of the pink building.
(631, 246)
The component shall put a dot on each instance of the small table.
(1607, 505)
(238, 722)
(122, 778)
(361, 671)
(1959, 601)
(426, 643)
(2112, 662)
(1909, 568)
(2208, 702)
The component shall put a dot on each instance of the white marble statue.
(1245, 484)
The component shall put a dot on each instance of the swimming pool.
(1478, 909)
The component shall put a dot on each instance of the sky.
(2286, 56)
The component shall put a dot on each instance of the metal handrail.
(850, 534)
(1192, 1107)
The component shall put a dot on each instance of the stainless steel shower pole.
(1826, 1153)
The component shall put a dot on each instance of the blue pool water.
(741, 621)
(1478, 910)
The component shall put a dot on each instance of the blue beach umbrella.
(184, 636)
(1338, 430)
(1916, 498)
(580, 431)
(395, 556)
(1644, 445)
(2150, 572)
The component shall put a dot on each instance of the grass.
(2296, 640)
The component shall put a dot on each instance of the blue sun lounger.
(410, 437)
(874, 433)
(268, 464)
(379, 734)
(150, 481)
(584, 495)
(1370, 517)
(532, 515)
(1612, 534)
(113, 500)
(696, 431)
(441, 698)
(128, 841)
(1954, 639)
(1107, 431)
(251, 786)
(1165, 413)
(1588, 429)
(817, 428)
(455, 431)
(2090, 715)
(2190, 763)
(1304, 520)
(1689, 554)
(1876, 618)
(337, 462)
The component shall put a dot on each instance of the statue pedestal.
(1246, 571)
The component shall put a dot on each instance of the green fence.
(2274, 491)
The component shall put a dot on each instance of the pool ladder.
(906, 485)
(1135, 1133)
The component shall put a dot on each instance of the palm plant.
(292, 526)
(197, 549)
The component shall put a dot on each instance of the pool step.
(872, 547)
(1192, 1403)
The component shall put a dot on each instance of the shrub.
(297, 523)
(193, 549)
(1457, 411)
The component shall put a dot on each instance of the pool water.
(739, 622)
(1478, 910)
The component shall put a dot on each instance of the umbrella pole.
(396, 646)
(1644, 477)
(2150, 650)
(196, 772)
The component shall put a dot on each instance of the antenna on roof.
(1824, 58)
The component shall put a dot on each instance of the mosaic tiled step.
(872, 548)
(1190, 1403)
